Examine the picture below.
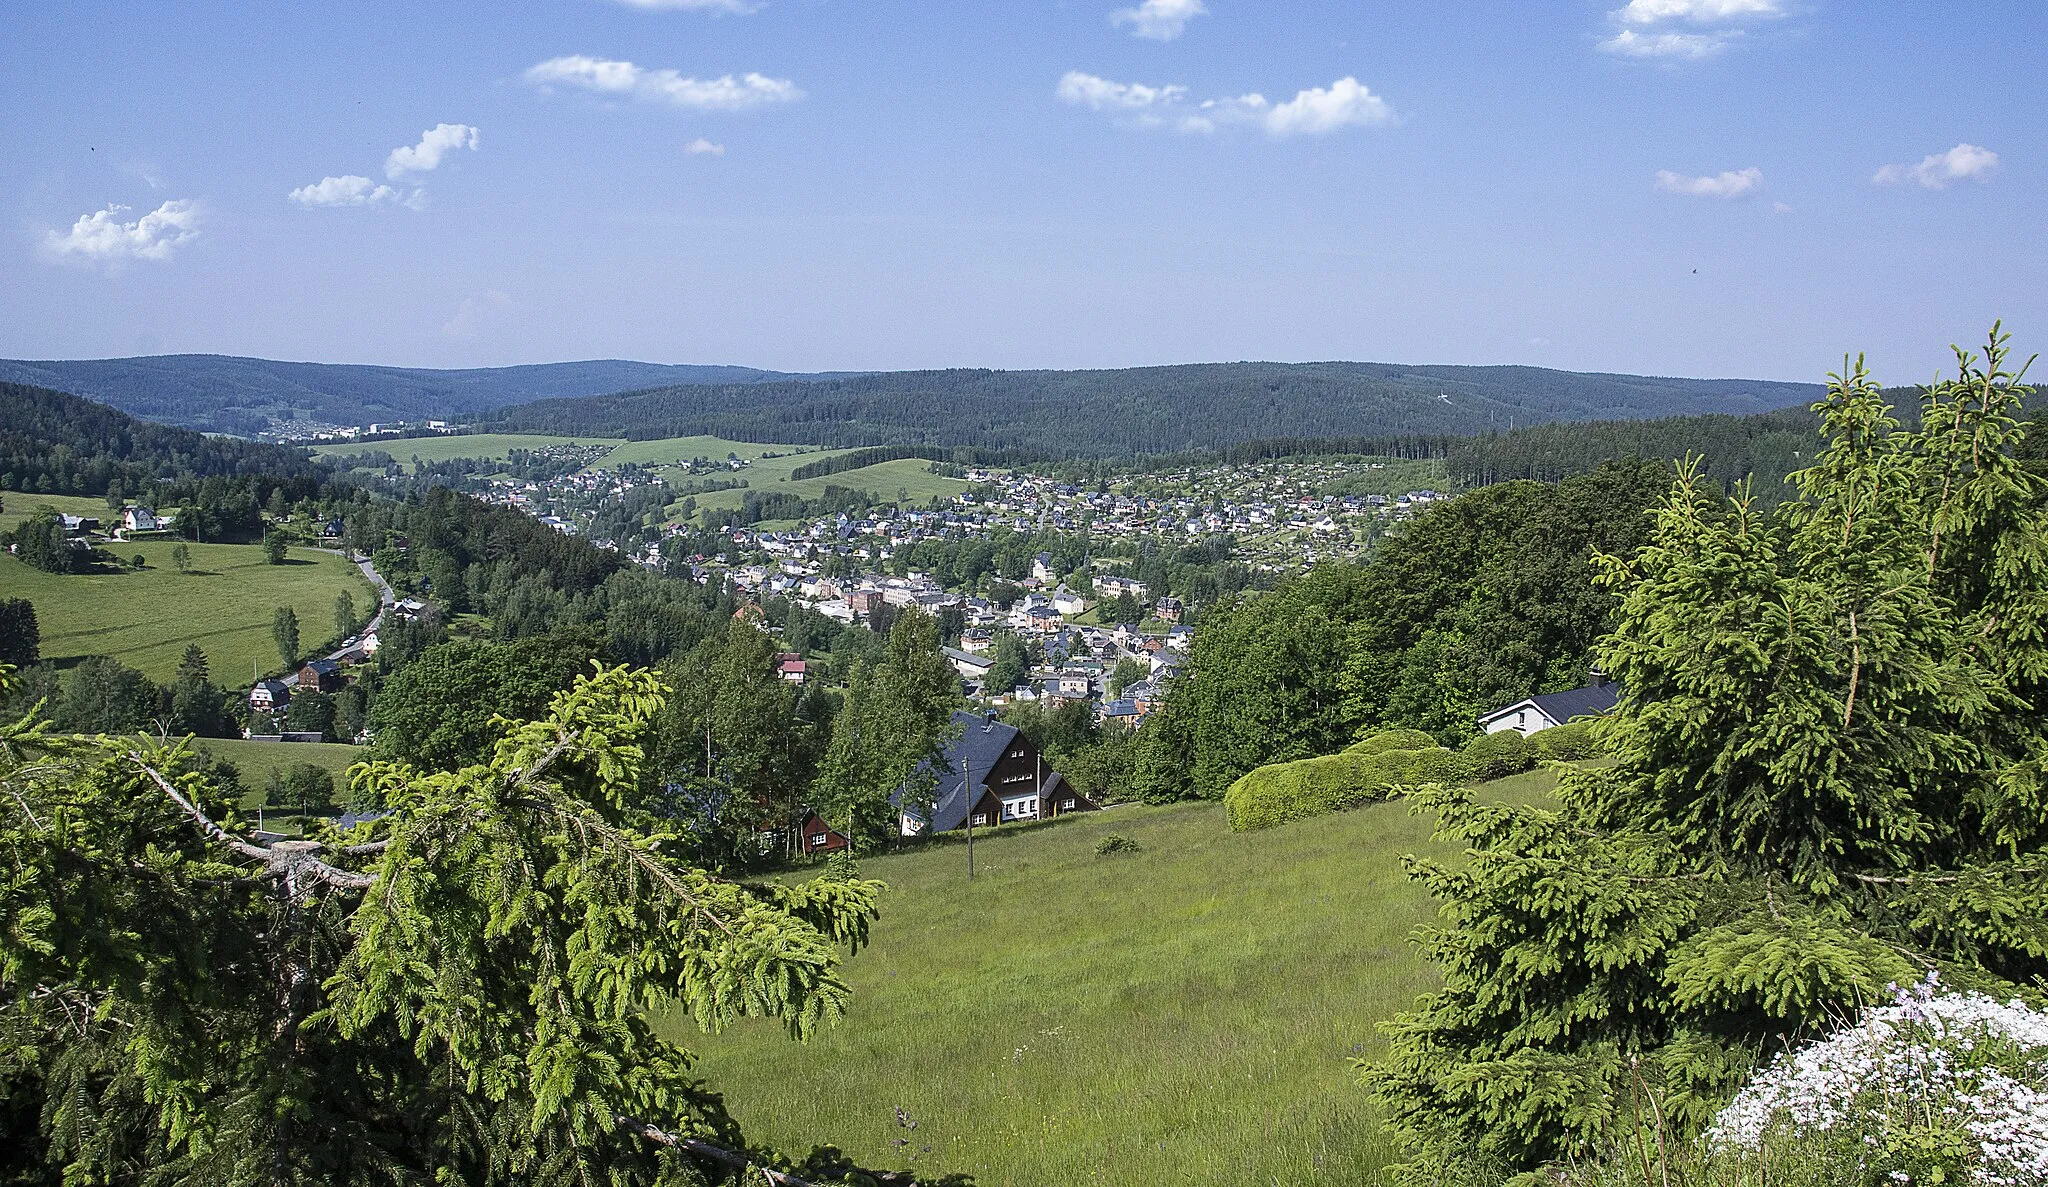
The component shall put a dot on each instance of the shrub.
(1115, 843)
(1495, 756)
(1384, 740)
(1281, 792)
(1566, 743)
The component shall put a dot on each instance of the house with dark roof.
(321, 675)
(269, 694)
(990, 775)
(1598, 696)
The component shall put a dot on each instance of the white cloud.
(702, 147)
(1312, 112)
(1650, 12)
(1963, 162)
(740, 6)
(1631, 44)
(1160, 20)
(607, 77)
(1732, 183)
(1346, 103)
(102, 236)
(475, 314)
(424, 157)
(1714, 25)
(349, 190)
(1086, 90)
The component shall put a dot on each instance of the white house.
(1066, 602)
(139, 519)
(1539, 713)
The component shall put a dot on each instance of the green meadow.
(16, 506)
(146, 618)
(907, 477)
(256, 760)
(1184, 1014)
(473, 445)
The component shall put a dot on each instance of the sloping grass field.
(1185, 1014)
(145, 619)
(440, 449)
(16, 506)
(256, 760)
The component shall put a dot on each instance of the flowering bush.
(1933, 1089)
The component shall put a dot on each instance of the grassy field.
(1185, 1014)
(145, 619)
(255, 760)
(908, 476)
(18, 505)
(671, 451)
(440, 449)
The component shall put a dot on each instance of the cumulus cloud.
(1315, 111)
(1160, 20)
(103, 236)
(1963, 162)
(424, 157)
(607, 77)
(1732, 183)
(1100, 94)
(701, 147)
(692, 5)
(1645, 26)
(349, 190)
(1651, 12)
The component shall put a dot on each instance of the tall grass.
(1186, 1013)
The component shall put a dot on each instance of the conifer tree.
(1829, 779)
(470, 990)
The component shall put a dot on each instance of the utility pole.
(967, 789)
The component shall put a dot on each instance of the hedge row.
(1377, 767)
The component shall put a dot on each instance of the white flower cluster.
(1926, 1056)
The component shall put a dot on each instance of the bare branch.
(290, 862)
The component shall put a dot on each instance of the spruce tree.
(1830, 777)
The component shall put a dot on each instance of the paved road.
(385, 602)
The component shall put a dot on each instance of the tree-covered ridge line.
(52, 442)
(1139, 410)
(229, 394)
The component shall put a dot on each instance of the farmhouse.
(1525, 717)
(139, 519)
(321, 675)
(268, 695)
(991, 775)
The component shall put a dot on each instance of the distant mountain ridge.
(1144, 409)
(232, 394)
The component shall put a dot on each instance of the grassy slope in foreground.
(1185, 1014)
(145, 619)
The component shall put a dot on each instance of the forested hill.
(56, 443)
(223, 393)
(1143, 409)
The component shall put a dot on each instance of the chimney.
(1596, 677)
(988, 720)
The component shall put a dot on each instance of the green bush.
(1115, 843)
(1496, 756)
(1385, 740)
(1308, 787)
(1566, 743)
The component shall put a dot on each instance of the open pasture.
(146, 618)
(1184, 1014)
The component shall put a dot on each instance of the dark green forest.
(1140, 410)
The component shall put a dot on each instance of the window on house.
(1066, 805)
(980, 819)
(820, 838)
(1016, 754)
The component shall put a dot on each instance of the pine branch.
(737, 1161)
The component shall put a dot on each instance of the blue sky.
(1017, 183)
